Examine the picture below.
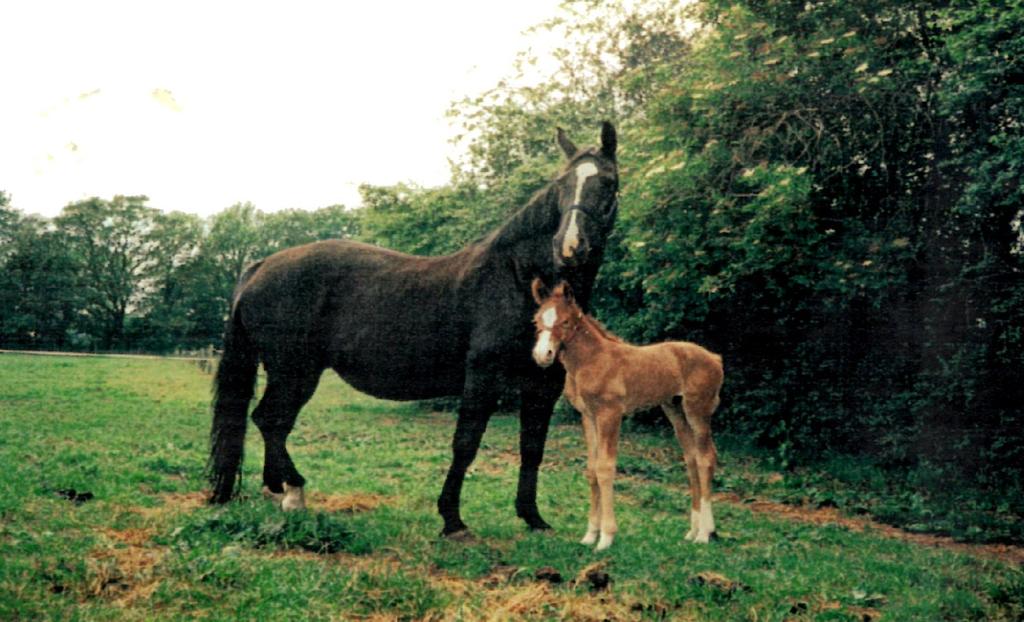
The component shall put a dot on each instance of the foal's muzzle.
(544, 351)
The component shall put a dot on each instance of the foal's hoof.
(604, 542)
(705, 538)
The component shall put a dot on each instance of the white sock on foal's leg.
(294, 498)
(694, 525)
(605, 541)
(593, 530)
(707, 522)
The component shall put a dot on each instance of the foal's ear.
(564, 290)
(567, 145)
(609, 139)
(539, 289)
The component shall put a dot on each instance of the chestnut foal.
(607, 379)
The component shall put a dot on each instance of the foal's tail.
(233, 388)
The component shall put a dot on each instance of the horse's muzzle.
(575, 260)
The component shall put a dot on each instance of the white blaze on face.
(542, 349)
(572, 233)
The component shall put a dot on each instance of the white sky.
(200, 105)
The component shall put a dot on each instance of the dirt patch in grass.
(131, 536)
(1007, 553)
(357, 502)
(173, 503)
(513, 593)
(124, 572)
(532, 600)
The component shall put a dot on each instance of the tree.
(39, 298)
(163, 319)
(111, 243)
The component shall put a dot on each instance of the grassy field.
(133, 434)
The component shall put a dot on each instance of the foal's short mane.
(600, 329)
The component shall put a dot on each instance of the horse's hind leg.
(275, 418)
(686, 441)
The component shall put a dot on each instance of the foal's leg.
(275, 418)
(607, 423)
(685, 437)
(594, 518)
(478, 402)
(698, 409)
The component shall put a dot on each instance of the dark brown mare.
(402, 327)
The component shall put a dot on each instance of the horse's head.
(557, 320)
(587, 199)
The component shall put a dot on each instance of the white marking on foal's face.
(571, 241)
(543, 354)
(549, 317)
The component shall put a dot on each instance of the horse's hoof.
(276, 497)
(536, 523)
(294, 499)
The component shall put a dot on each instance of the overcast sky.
(202, 105)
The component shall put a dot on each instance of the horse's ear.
(567, 145)
(539, 289)
(609, 140)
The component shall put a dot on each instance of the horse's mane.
(540, 213)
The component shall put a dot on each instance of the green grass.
(134, 433)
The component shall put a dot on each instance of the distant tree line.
(119, 275)
(827, 193)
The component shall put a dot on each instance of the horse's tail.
(233, 388)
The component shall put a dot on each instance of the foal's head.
(587, 199)
(557, 320)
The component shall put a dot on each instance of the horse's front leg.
(539, 392)
(478, 402)
(608, 422)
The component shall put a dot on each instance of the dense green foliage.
(145, 547)
(827, 193)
